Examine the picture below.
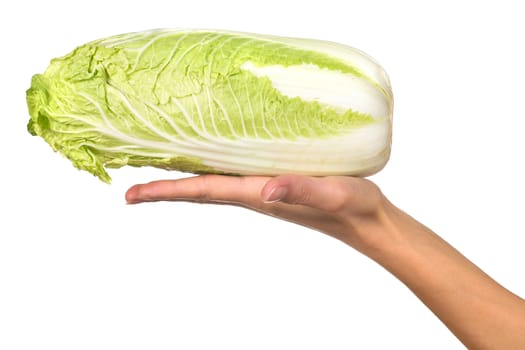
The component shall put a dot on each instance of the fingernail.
(275, 195)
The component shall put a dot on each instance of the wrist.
(379, 233)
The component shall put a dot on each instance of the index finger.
(203, 188)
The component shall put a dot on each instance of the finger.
(328, 194)
(204, 188)
(240, 191)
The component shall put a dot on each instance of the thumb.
(320, 193)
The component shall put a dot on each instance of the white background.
(80, 269)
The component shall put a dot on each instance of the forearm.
(480, 312)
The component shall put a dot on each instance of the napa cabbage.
(208, 101)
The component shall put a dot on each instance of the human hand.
(355, 211)
(349, 209)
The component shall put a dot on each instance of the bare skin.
(478, 311)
